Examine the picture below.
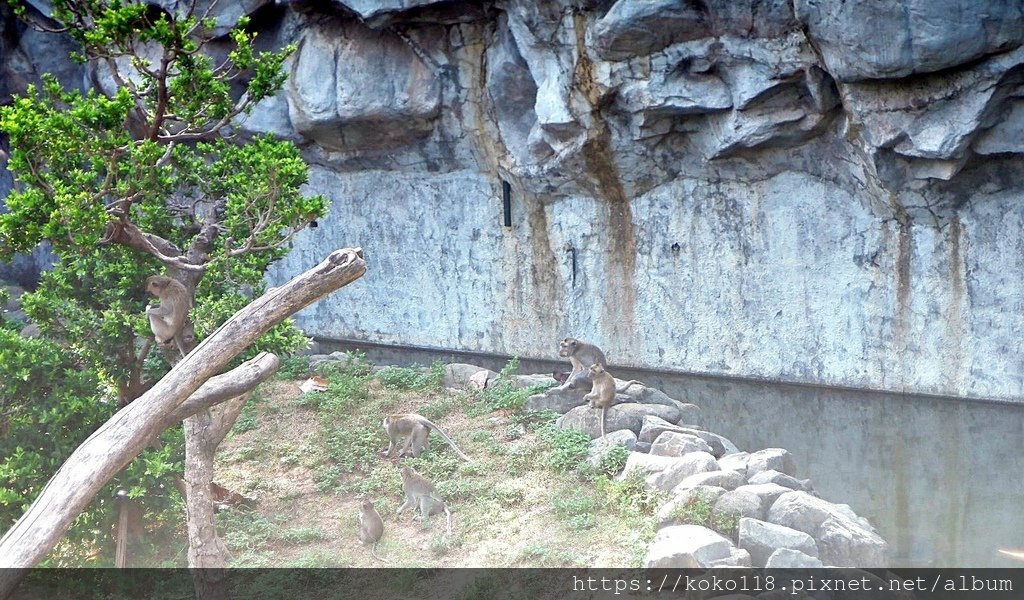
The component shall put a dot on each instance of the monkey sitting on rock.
(580, 354)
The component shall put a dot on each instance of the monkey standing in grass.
(371, 527)
(415, 429)
(420, 492)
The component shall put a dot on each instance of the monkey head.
(156, 284)
(367, 505)
(567, 347)
(596, 370)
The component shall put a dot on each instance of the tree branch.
(111, 447)
(236, 382)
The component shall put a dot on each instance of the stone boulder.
(687, 547)
(521, 382)
(681, 468)
(644, 465)
(771, 459)
(788, 558)
(555, 399)
(654, 426)
(621, 416)
(461, 376)
(600, 447)
(772, 476)
(728, 480)
(761, 539)
(738, 503)
(671, 443)
(767, 492)
(841, 541)
(736, 461)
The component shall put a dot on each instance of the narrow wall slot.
(506, 200)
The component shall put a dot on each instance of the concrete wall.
(791, 278)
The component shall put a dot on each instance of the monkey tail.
(630, 383)
(429, 424)
(373, 551)
(603, 410)
(448, 515)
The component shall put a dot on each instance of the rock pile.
(764, 515)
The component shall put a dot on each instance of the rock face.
(831, 187)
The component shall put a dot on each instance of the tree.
(131, 181)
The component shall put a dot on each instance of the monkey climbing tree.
(143, 176)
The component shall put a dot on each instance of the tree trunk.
(111, 447)
(207, 555)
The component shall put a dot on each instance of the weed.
(441, 544)
(630, 496)
(326, 477)
(351, 446)
(614, 460)
(301, 535)
(437, 409)
(577, 508)
(504, 395)
(402, 378)
(569, 447)
(249, 417)
(698, 510)
(317, 559)
(294, 367)
(727, 524)
(244, 529)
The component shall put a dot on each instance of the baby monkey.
(420, 492)
(580, 354)
(168, 320)
(371, 527)
(602, 395)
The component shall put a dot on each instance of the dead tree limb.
(111, 447)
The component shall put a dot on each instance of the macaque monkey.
(415, 429)
(603, 393)
(371, 527)
(580, 354)
(168, 320)
(420, 492)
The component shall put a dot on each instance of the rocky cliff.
(806, 190)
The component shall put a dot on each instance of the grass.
(528, 498)
(699, 510)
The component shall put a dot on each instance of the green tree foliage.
(143, 178)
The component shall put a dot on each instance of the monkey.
(414, 428)
(580, 354)
(371, 527)
(603, 393)
(168, 320)
(419, 491)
